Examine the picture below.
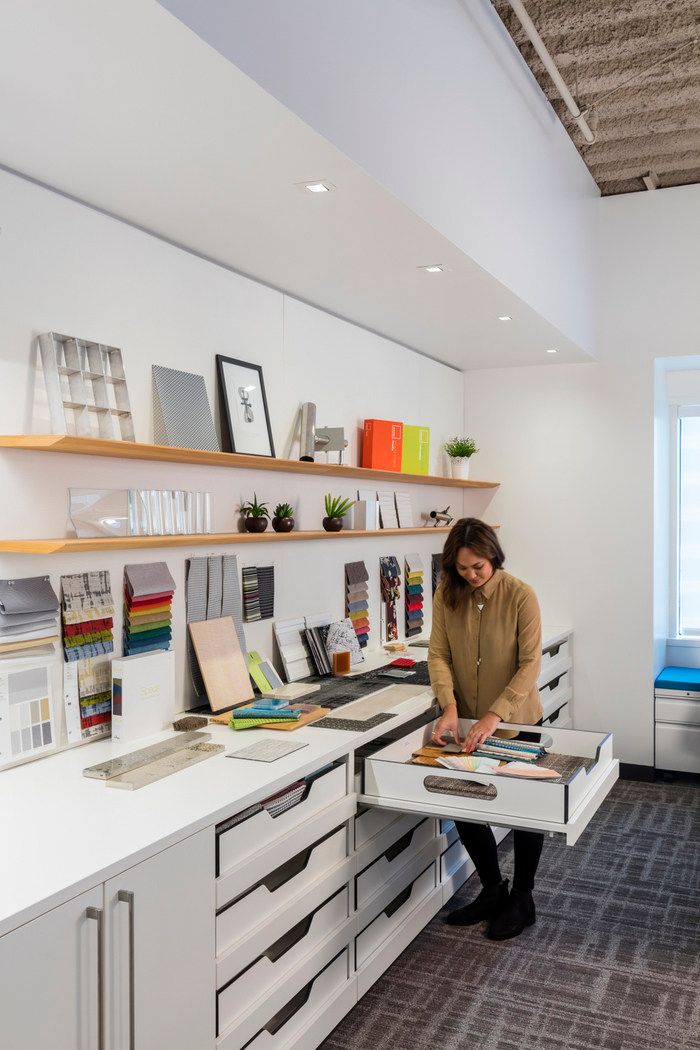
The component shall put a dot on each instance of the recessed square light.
(504, 317)
(552, 351)
(433, 268)
(317, 186)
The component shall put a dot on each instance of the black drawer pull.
(398, 901)
(401, 844)
(289, 870)
(553, 650)
(553, 684)
(297, 933)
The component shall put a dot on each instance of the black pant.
(480, 844)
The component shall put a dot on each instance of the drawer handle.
(398, 901)
(553, 650)
(400, 846)
(297, 933)
(294, 1005)
(127, 897)
(289, 870)
(553, 684)
(465, 788)
(98, 915)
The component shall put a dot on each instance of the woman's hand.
(482, 729)
(447, 723)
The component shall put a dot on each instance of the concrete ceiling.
(652, 123)
(122, 107)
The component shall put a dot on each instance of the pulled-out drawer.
(553, 657)
(236, 841)
(564, 807)
(678, 747)
(680, 712)
(281, 957)
(275, 891)
(291, 1020)
(394, 914)
(555, 693)
(452, 859)
(384, 868)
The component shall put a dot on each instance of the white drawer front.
(278, 888)
(386, 838)
(556, 693)
(452, 859)
(383, 870)
(281, 957)
(392, 782)
(248, 1025)
(678, 747)
(682, 712)
(394, 914)
(553, 656)
(259, 830)
(371, 823)
(289, 1022)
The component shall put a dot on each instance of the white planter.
(459, 467)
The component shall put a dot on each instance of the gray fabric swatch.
(151, 578)
(32, 594)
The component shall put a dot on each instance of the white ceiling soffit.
(124, 108)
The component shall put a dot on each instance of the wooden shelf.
(72, 545)
(164, 454)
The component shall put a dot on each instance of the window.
(688, 532)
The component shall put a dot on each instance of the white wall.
(574, 448)
(66, 268)
(432, 99)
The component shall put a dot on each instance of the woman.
(484, 661)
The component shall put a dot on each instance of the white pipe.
(548, 63)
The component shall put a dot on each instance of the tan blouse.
(488, 659)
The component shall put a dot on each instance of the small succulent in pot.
(283, 520)
(336, 507)
(255, 515)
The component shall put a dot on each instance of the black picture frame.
(231, 414)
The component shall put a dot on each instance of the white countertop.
(62, 833)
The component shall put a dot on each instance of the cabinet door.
(50, 993)
(161, 950)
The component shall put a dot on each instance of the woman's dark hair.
(479, 537)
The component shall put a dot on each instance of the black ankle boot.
(518, 913)
(487, 905)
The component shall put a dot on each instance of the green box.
(415, 454)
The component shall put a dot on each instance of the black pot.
(255, 524)
(332, 524)
(283, 524)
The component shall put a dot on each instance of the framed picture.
(242, 392)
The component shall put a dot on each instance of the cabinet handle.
(127, 897)
(98, 915)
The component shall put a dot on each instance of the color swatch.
(87, 612)
(26, 713)
(148, 596)
(390, 587)
(357, 599)
(414, 595)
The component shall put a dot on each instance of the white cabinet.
(50, 993)
(128, 965)
(160, 947)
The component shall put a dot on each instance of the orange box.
(382, 444)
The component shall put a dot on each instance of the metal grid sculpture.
(86, 388)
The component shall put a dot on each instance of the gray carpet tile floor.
(613, 962)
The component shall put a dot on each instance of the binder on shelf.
(415, 450)
(382, 444)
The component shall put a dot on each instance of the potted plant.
(460, 450)
(336, 507)
(283, 520)
(255, 515)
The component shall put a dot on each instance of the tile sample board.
(221, 662)
(27, 723)
(212, 591)
(181, 412)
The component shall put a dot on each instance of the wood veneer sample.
(221, 662)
